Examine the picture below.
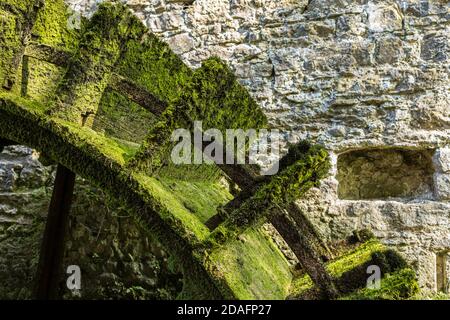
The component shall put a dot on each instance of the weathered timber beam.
(90, 70)
(49, 54)
(307, 256)
(295, 177)
(248, 177)
(248, 180)
(309, 230)
(289, 221)
(52, 248)
(23, 32)
(121, 85)
(240, 173)
(137, 94)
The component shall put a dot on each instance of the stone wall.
(22, 219)
(351, 75)
(116, 257)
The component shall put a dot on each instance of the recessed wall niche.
(442, 265)
(385, 173)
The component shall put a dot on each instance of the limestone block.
(434, 47)
(383, 16)
(442, 186)
(442, 160)
(389, 50)
(181, 43)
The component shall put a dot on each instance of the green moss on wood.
(35, 79)
(251, 267)
(52, 26)
(15, 37)
(339, 266)
(153, 65)
(91, 67)
(350, 272)
(399, 285)
(211, 95)
(162, 201)
(121, 118)
(20, 7)
(287, 186)
(9, 43)
(201, 198)
(40, 79)
(17, 19)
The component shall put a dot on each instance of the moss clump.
(151, 64)
(48, 24)
(10, 102)
(350, 273)
(17, 19)
(10, 43)
(339, 266)
(52, 26)
(399, 285)
(170, 209)
(389, 261)
(21, 7)
(40, 80)
(354, 258)
(215, 97)
(293, 181)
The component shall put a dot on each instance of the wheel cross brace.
(249, 207)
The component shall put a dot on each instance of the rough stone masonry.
(367, 79)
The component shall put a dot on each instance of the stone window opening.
(385, 173)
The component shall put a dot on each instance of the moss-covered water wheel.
(102, 100)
